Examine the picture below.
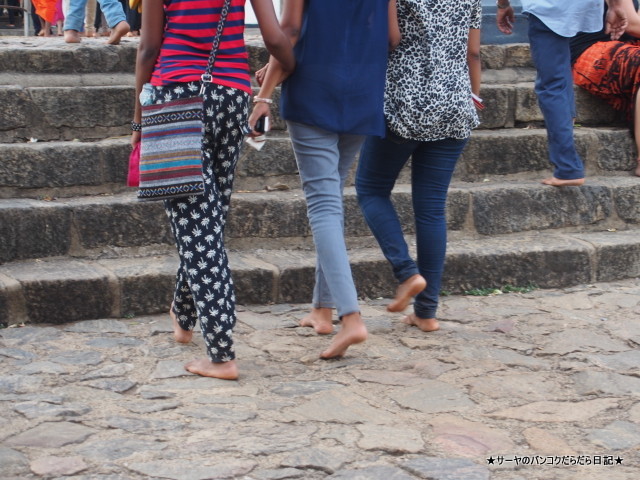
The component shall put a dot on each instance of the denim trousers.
(554, 87)
(74, 19)
(324, 160)
(432, 166)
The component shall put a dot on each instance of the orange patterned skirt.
(611, 70)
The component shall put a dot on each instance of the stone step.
(93, 112)
(65, 169)
(78, 226)
(62, 290)
(43, 56)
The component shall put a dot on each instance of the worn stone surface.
(403, 405)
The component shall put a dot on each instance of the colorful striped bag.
(171, 139)
(171, 149)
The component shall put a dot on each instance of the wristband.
(262, 100)
(136, 127)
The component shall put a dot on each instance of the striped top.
(189, 31)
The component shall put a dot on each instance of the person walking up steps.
(175, 43)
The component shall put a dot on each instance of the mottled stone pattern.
(542, 377)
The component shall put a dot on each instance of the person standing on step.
(113, 12)
(552, 23)
(429, 112)
(175, 43)
(331, 101)
(610, 69)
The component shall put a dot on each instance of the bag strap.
(206, 76)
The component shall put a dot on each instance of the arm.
(616, 20)
(473, 60)
(394, 28)
(633, 27)
(274, 37)
(276, 74)
(505, 16)
(151, 35)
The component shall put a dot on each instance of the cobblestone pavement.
(540, 385)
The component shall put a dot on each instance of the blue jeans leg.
(432, 166)
(113, 12)
(112, 9)
(554, 87)
(324, 160)
(74, 18)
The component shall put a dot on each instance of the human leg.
(74, 20)
(320, 317)
(90, 18)
(554, 87)
(432, 167)
(204, 288)
(116, 19)
(323, 158)
(381, 161)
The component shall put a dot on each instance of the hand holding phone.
(262, 125)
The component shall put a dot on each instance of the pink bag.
(133, 178)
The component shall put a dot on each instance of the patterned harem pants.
(204, 288)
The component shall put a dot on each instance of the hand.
(259, 109)
(135, 138)
(261, 73)
(616, 21)
(505, 19)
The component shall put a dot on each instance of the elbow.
(147, 54)
(394, 41)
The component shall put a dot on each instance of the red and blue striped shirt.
(190, 27)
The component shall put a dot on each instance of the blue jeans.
(324, 160)
(554, 88)
(112, 9)
(432, 165)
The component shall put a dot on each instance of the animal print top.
(428, 91)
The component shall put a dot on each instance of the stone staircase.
(76, 244)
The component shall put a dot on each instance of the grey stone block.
(522, 207)
(69, 58)
(255, 281)
(61, 291)
(17, 111)
(548, 261)
(617, 254)
(58, 165)
(144, 287)
(500, 106)
(119, 221)
(31, 229)
(627, 199)
(270, 215)
(503, 152)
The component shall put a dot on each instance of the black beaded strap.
(206, 76)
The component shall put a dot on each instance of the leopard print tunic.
(428, 91)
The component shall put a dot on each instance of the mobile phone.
(262, 125)
(477, 101)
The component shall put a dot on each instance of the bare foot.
(406, 291)
(206, 368)
(72, 36)
(353, 331)
(180, 334)
(320, 320)
(556, 182)
(424, 324)
(117, 32)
